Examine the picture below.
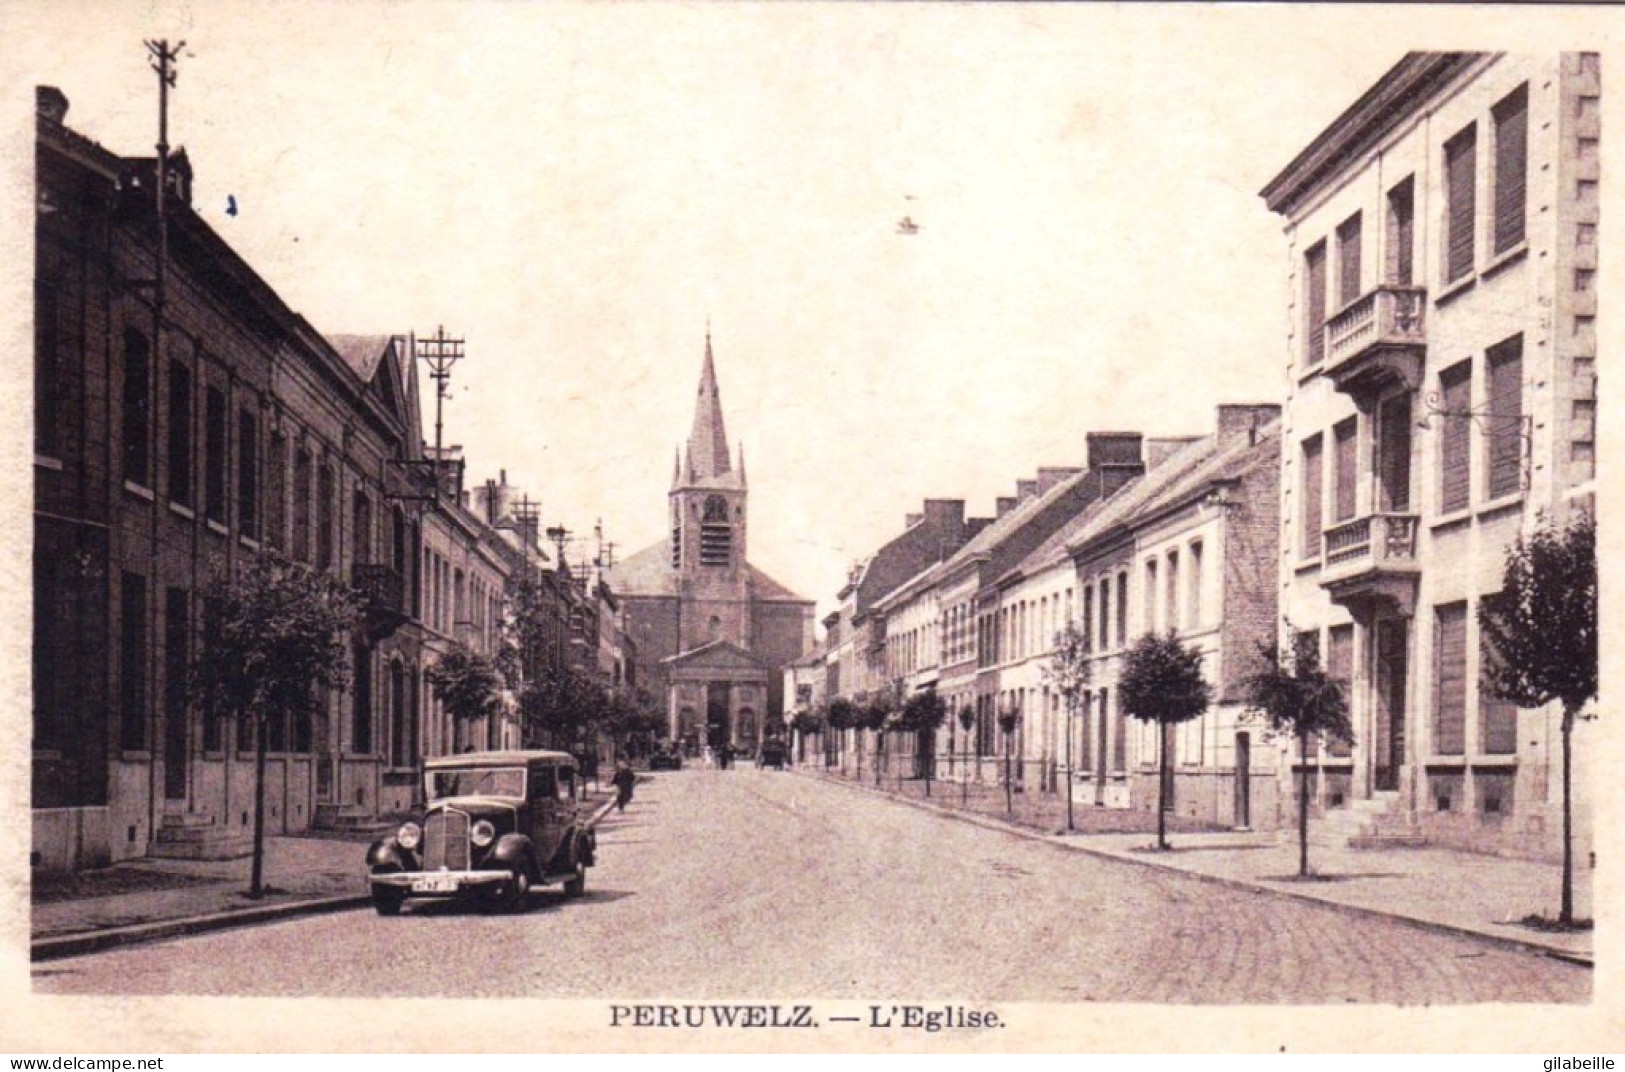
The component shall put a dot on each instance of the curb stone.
(1524, 945)
(68, 945)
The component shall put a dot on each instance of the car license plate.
(434, 884)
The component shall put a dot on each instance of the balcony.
(383, 599)
(1372, 559)
(1377, 341)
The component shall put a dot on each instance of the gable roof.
(649, 573)
(718, 654)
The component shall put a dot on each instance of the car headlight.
(483, 833)
(409, 836)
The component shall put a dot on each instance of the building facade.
(1441, 399)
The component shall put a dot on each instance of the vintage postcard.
(814, 527)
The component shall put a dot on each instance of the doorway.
(1392, 671)
(716, 714)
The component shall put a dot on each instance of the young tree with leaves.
(1009, 718)
(1542, 628)
(1162, 683)
(843, 715)
(1299, 699)
(1069, 672)
(967, 719)
(276, 636)
(923, 715)
(469, 684)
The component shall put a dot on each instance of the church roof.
(649, 573)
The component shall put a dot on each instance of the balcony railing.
(380, 586)
(1381, 335)
(1371, 557)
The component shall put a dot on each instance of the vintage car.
(773, 753)
(666, 757)
(496, 824)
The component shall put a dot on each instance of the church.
(713, 632)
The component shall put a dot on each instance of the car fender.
(587, 846)
(386, 855)
(512, 850)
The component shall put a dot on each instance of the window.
(1345, 462)
(361, 531)
(324, 517)
(49, 732)
(1314, 303)
(1450, 679)
(1311, 638)
(177, 632)
(1340, 667)
(1173, 590)
(1455, 457)
(1460, 155)
(180, 434)
(1511, 167)
(276, 480)
(361, 730)
(1119, 731)
(400, 720)
(301, 505)
(1105, 612)
(1194, 615)
(1504, 438)
(47, 376)
(1498, 718)
(133, 663)
(214, 451)
(137, 408)
(248, 474)
(1122, 608)
(1084, 758)
(1394, 453)
(716, 534)
(1309, 534)
(1402, 233)
(1348, 260)
(1089, 616)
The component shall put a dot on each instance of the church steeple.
(708, 442)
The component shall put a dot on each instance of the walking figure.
(623, 782)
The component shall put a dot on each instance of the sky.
(579, 190)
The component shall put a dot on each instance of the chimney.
(947, 516)
(1160, 448)
(1049, 476)
(1003, 505)
(50, 104)
(974, 526)
(1244, 420)
(910, 520)
(1026, 489)
(1108, 449)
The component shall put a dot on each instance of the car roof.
(533, 758)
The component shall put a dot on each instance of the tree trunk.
(256, 885)
(1009, 800)
(1565, 914)
(1162, 786)
(1303, 805)
(1069, 825)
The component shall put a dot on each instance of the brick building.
(1441, 398)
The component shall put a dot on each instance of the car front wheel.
(387, 901)
(516, 891)
(576, 884)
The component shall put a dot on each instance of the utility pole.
(440, 354)
(526, 511)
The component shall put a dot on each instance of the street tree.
(1009, 718)
(1069, 672)
(469, 684)
(967, 719)
(877, 717)
(276, 641)
(842, 716)
(1299, 699)
(1542, 631)
(923, 715)
(804, 723)
(1162, 683)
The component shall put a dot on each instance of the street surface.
(764, 884)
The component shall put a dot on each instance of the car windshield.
(480, 782)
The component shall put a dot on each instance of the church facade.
(713, 632)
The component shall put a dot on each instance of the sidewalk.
(1441, 889)
(146, 899)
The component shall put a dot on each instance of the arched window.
(361, 534)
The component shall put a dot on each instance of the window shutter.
(1505, 432)
(1314, 273)
(1511, 163)
(1459, 159)
(1498, 718)
(1455, 460)
(1340, 667)
(1311, 637)
(1402, 232)
(1394, 452)
(1346, 459)
(1450, 680)
(1310, 546)
(1348, 261)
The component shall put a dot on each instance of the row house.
(185, 417)
(1441, 398)
(1186, 550)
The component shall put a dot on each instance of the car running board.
(562, 876)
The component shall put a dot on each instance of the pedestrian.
(623, 781)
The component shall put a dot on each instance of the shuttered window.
(1314, 303)
(1309, 536)
(1505, 432)
(1105, 612)
(1498, 719)
(1340, 667)
(1511, 166)
(1119, 731)
(1309, 638)
(1450, 679)
(1460, 155)
(1402, 233)
(1089, 616)
(1345, 442)
(1122, 607)
(1348, 260)
(214, 455)
(1455, 457)
(1394, 452)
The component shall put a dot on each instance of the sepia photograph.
(807, 527)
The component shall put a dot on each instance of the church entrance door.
(716, 714)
